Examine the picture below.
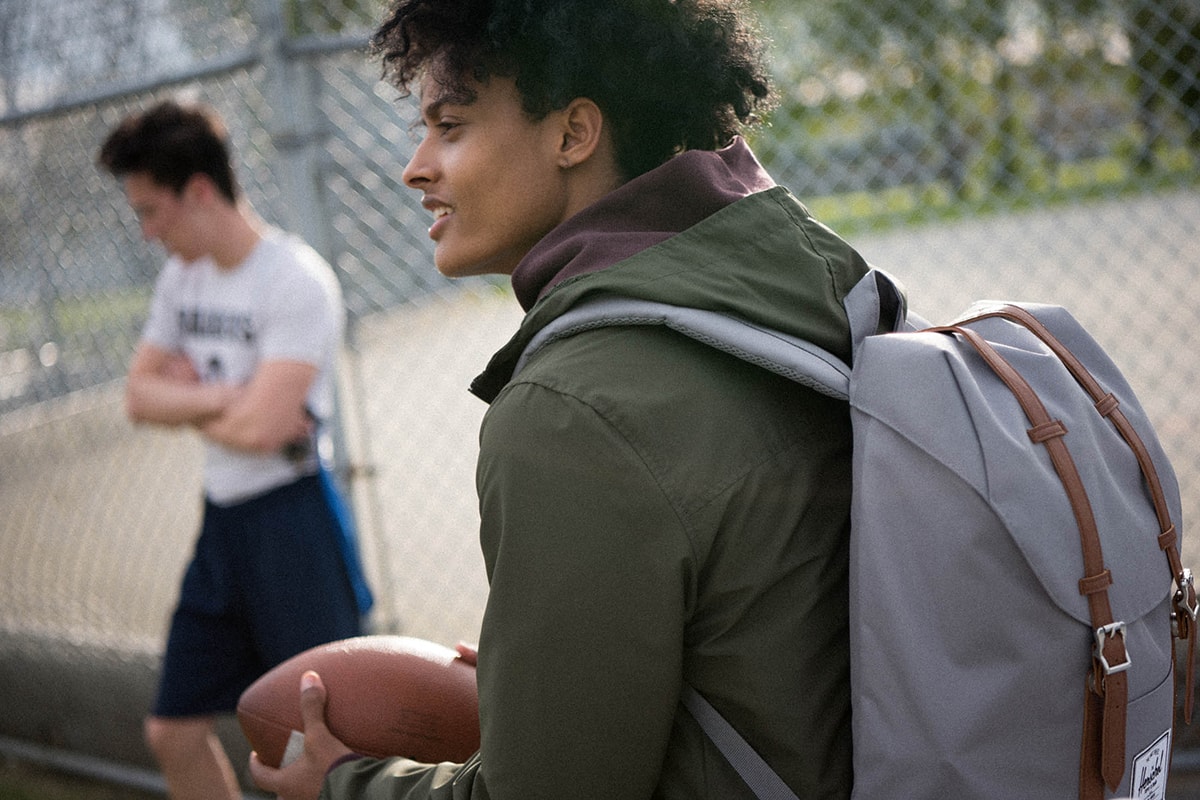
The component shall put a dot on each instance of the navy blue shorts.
(267, 580)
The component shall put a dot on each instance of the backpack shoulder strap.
(876, 304)
(789, 356)
(758, 775)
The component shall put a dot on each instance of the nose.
(419, 170)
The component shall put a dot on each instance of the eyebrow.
(447, 97)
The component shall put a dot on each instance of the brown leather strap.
(1110, 657)
(1106, 403)
(1185, 599)
(1091, 785)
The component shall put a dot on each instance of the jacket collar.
(639, 215)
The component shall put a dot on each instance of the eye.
(416, 131)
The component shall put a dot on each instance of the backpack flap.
(966, 564)
(1125, 516)
(980, 435)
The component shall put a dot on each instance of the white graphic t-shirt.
(282, 303)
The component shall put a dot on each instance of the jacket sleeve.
(580, 650)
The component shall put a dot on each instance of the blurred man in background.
(244, 330)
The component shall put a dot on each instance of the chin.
(451, 270)
(469, 268)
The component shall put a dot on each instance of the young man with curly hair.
(654, 513)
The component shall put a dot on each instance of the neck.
(235, 236)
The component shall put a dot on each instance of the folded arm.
(261, 416)
(163, 388)
(269, 412)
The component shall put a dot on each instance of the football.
(385, 696)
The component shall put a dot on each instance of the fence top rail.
(241, 59)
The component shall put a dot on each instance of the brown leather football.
(385, 696)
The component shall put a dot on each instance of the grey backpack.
(1016, 585)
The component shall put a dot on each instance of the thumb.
(312, 700)
(468, 653)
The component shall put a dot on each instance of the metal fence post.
(299, 133)
(295, 129)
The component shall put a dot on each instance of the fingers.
(301, 778)
(265, 777)
(178, 367)
(468, 653)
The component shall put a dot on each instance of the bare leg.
(191, 758)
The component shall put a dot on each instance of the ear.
(200, 187)
(583, 131)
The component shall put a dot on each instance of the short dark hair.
(171, 142)
(669, 75)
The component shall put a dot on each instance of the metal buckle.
(1103, 633)
(1185, 592)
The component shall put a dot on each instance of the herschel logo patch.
(1150, 770)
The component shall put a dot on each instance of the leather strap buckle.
(1185, 595)
(1103, 634)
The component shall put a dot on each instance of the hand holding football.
(386, 696)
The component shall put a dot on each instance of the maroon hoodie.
(647, 210)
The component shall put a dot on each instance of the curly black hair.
(669, 75)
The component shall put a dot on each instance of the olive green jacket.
(654, 512)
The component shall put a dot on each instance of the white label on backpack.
(1149, 780)
(294, 749)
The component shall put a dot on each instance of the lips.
(440, 216)
(440, 212)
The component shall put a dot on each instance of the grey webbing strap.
(789, 356)
(757, 774)
(875, 304)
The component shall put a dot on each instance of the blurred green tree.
(932, 36)
(316, 17)
(1165, 39)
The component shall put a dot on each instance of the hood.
(706, 230)
(647, 210)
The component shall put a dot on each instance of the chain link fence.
(1012, 149)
